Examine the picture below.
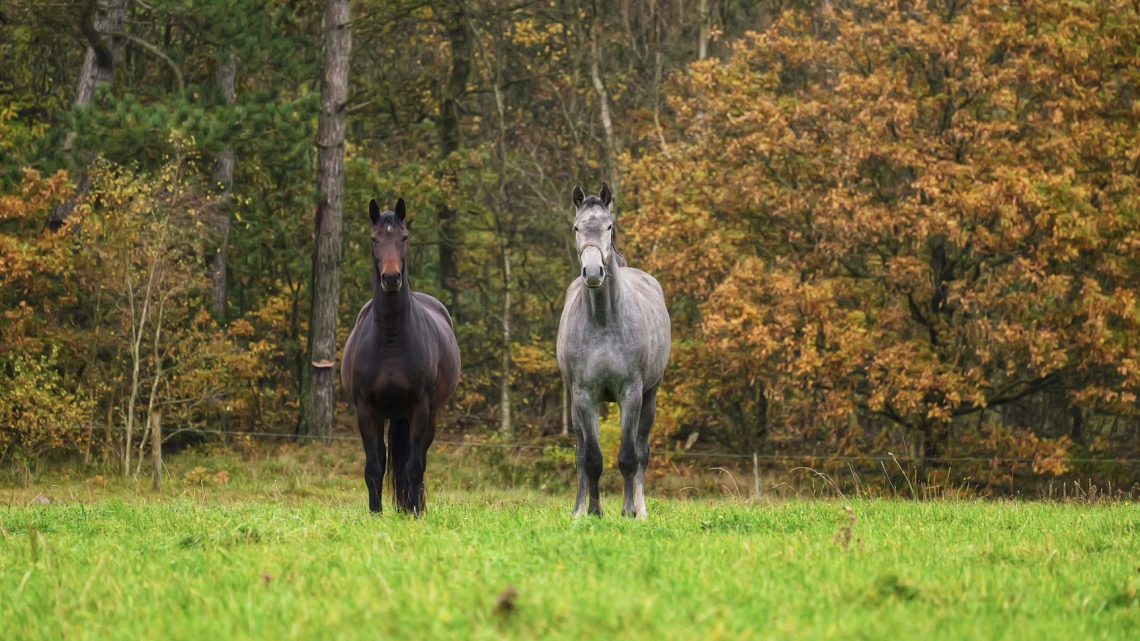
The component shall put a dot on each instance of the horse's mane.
(619, 257)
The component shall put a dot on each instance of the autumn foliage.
(105, 322)
(904, 229)
(881, 224)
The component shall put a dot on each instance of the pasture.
(280, 551)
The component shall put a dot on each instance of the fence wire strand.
(768, 458)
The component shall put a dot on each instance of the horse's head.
(389, 243)
(594, 233)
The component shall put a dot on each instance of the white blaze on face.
(593, 231)
(592, 257)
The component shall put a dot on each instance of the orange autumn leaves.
(904, 215)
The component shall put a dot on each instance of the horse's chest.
(394, 374)
(604, 356)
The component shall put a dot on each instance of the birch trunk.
(703, 35)
(604, 110)
(506, 427)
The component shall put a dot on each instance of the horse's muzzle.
(594, 275)
(390, 283)
(593, 266)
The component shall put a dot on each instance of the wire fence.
(712, 456)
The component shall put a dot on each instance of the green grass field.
(256, 560)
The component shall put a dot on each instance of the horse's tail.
(399, 451)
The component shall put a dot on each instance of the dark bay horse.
(401, 364)
(613, 346)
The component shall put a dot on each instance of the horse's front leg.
(372, 437)
(584, 416)
(628, 459)
(644, 425)
(422, 434)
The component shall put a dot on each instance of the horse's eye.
(609, 228)
(405, 239)
(575, 228)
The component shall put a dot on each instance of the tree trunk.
(703, 35)
(98, 17)
(223, 179)
(319, 399)
(506, 427)
(459, 37)
(610, 174)
(139, 313)
(506, 233)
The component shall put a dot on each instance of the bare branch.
(157, 52)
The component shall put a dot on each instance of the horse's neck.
(603, 303)
(392, 314)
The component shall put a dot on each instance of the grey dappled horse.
(613, 345)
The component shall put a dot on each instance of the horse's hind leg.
(372, 437)
(399, 449)
(628, 458)
(584, 415)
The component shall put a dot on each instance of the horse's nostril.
(390, 280)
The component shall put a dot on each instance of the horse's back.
(433, 305)
(349, 353)
(444, 328)
(653, 315)
(646, 287)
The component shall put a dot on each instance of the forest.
(906, 229)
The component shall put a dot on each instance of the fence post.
(755, 477)
(156, 448)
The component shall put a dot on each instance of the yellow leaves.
(240, 328)
(534, 359)
(39, 413)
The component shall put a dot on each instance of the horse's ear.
(579, 197)
(607, 196)
(374, 211)
(401, 210)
